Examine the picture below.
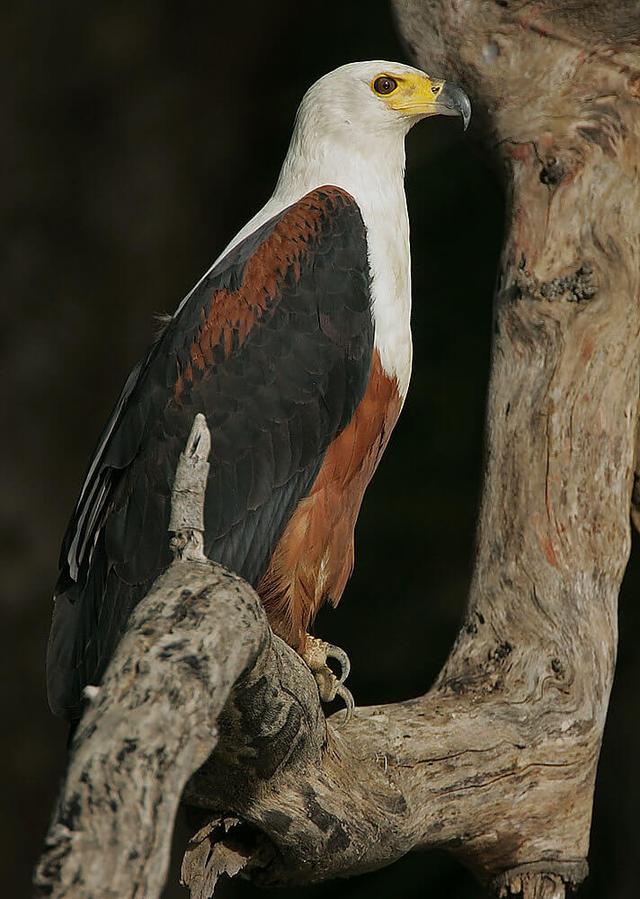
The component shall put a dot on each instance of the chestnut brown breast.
(314, 558)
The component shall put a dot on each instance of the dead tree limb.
(497, 762)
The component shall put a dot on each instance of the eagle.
(296, 347)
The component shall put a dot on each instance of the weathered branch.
(151, 724)
(497, 762)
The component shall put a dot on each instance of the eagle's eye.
(384, 84)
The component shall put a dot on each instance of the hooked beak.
(418, 96)
(452, 100)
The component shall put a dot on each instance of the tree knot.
(552, 172)
(576, 287)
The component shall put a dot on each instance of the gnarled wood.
(497, 762)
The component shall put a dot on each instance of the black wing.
(274, 346)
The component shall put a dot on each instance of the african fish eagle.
(296, 346)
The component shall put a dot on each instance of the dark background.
(135, 139)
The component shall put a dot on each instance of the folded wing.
(274, 347)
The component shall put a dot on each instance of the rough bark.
(497, 762)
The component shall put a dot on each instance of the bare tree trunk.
(556, 90)
(497, 762)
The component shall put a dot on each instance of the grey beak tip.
(466, 113)
(456, 102)
(463, 106)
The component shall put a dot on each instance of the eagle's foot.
(316, 654)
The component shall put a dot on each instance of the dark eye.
(385, 85)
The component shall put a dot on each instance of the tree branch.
(497, 762)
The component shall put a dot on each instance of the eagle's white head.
(352, 122)
(370, 98)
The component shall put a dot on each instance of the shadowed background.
(134, 141)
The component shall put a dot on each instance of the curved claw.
(347, 698)
(340, 656)
(316, 653)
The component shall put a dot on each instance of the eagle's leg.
(316, 654)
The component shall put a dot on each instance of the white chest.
(390, 264)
